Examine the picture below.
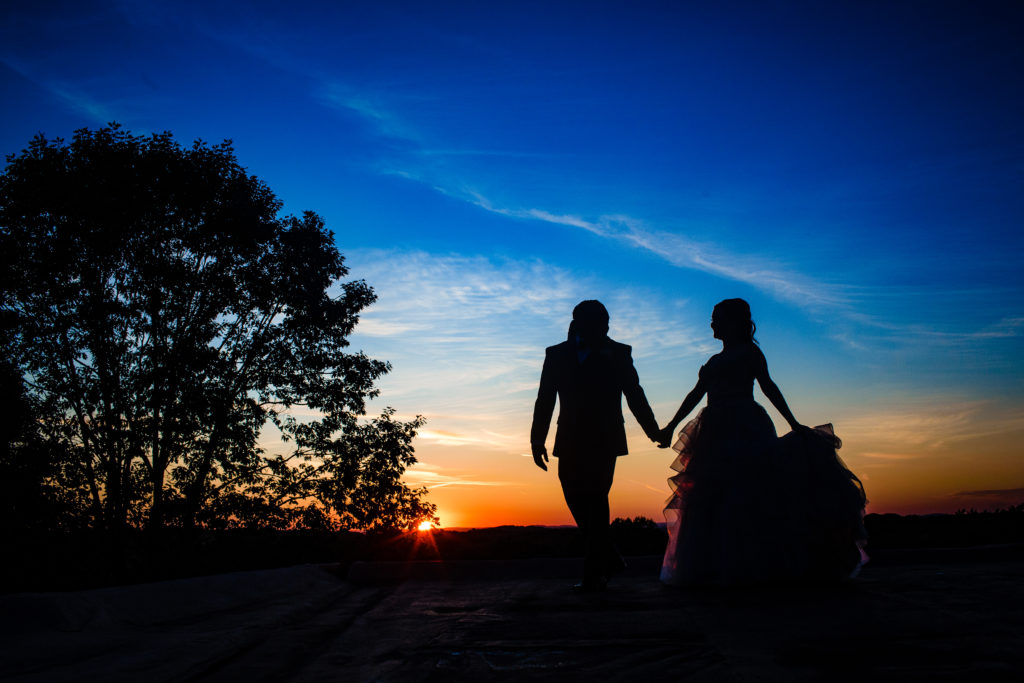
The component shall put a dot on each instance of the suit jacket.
(590, 400)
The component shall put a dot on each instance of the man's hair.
(591, 309)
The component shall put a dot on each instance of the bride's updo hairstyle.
(734, 314)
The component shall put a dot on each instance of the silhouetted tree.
(35, 493)
(159, 314)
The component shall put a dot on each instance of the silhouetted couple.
(746, 507)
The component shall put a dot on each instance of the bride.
(748, 506)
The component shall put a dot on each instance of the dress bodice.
(729, 376)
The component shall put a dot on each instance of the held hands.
(662, 437)
(540, 455)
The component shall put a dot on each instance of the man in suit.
(589, 373)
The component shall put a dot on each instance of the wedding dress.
(748, 506)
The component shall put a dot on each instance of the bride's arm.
(689, 403)
(772, 393)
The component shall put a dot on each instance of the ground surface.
(922, 619)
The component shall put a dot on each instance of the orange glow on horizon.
(913, 458)
(960, 474)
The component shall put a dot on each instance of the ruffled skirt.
(748, 506)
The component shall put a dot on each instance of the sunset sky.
(854, 170)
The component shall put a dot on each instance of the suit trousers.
(585, 485)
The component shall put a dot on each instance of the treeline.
(965, 528)
(44, 561)
(64, 561)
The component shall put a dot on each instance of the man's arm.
(542, 411)
(636, 399)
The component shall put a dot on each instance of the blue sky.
(853, 169)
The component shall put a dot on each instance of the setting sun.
(425, 526)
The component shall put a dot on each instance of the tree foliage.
(158, 315)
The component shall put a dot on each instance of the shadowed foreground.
(917, 619)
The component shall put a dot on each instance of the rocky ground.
(926, 616)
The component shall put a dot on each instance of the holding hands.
(663, 436)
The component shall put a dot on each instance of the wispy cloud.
(501, 303)
(988, 499)
(676, 249)
(1007, 327)
(466, 337)
(992, 493)
(758, 272)
(645, 485)
(486, 204)
(847, 310)
(432, 476)
(844, 304)
(683, 252)
(470, 152)
(72, 95)
(374, 109)
(891, 456)
(369, 108)
(1004, 329)
(416, 154)
(904, 432)
(480, 439)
